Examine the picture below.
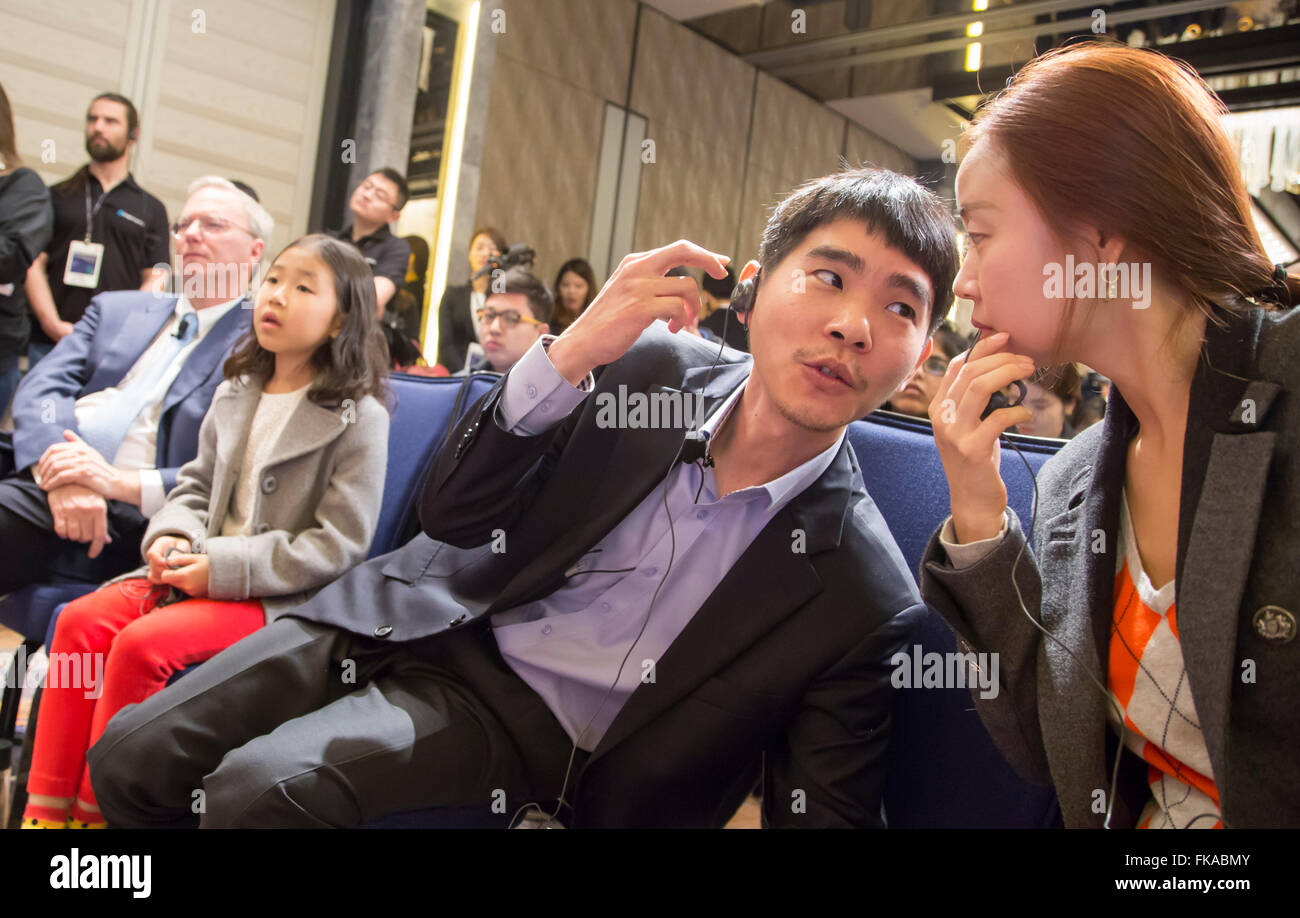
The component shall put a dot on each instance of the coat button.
(263, 527)
(383, 631)
(268, 484)
(1275, 624)
(459, 619)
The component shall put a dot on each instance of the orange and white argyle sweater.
(1148, 680)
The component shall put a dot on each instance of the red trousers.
(113, 648)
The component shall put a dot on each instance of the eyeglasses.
(208, 225)
(376, 191)
(509, 317)
(935, 366)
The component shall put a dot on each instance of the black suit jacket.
(786, 663)
(455, 327)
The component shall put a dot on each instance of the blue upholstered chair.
(944, 770)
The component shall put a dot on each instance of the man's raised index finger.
(687, 254)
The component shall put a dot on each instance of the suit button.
(268, 484)
(1275, 624)
(383, 631)
(459, 619)
(263, 527)
(532, 392)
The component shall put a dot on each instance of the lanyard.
(90, 214)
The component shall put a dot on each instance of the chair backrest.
(420, 421)
(944, 770)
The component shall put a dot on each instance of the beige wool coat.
(317, 503)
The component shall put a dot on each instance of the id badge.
(84, 261)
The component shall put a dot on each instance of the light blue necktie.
(106, 428)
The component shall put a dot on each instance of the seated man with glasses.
(918, 390)
(104, 423)
(514, 315)
(376, 204)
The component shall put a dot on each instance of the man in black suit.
(552, 635)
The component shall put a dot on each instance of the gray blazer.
(316, 509)
(1238, 545)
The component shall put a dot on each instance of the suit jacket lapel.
(133, 338)
(617, 480)
(310, 427)
(1077, 611)
(205, 357)
(234, 416)
(767, 583)
(1226, 460)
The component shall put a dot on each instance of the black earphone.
(742, 296)
(696, 445)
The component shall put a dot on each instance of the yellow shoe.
(31, 822)
(74, 823)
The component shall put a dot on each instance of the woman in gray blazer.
(282, 498)
(1146, 639)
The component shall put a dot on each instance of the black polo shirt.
(130, 223)
(386, 254)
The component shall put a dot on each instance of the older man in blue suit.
(104, 423)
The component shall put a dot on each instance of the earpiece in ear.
(742, 296)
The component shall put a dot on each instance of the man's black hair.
(403, 190)
(521, 280)
(911, 218)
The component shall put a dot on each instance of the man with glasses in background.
(104, 423)
(109, 233)
(516, 313)
(918, 390)
(375, 204)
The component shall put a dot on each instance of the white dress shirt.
(139, 449)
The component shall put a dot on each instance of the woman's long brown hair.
(1130, 142)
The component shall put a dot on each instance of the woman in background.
(457, 327)
(26, 221)
(575, 288)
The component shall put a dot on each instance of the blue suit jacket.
(116, 329)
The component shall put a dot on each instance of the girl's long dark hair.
(352, 364)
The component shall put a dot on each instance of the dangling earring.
(1112, 284)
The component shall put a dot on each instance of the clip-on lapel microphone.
(696, 445)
